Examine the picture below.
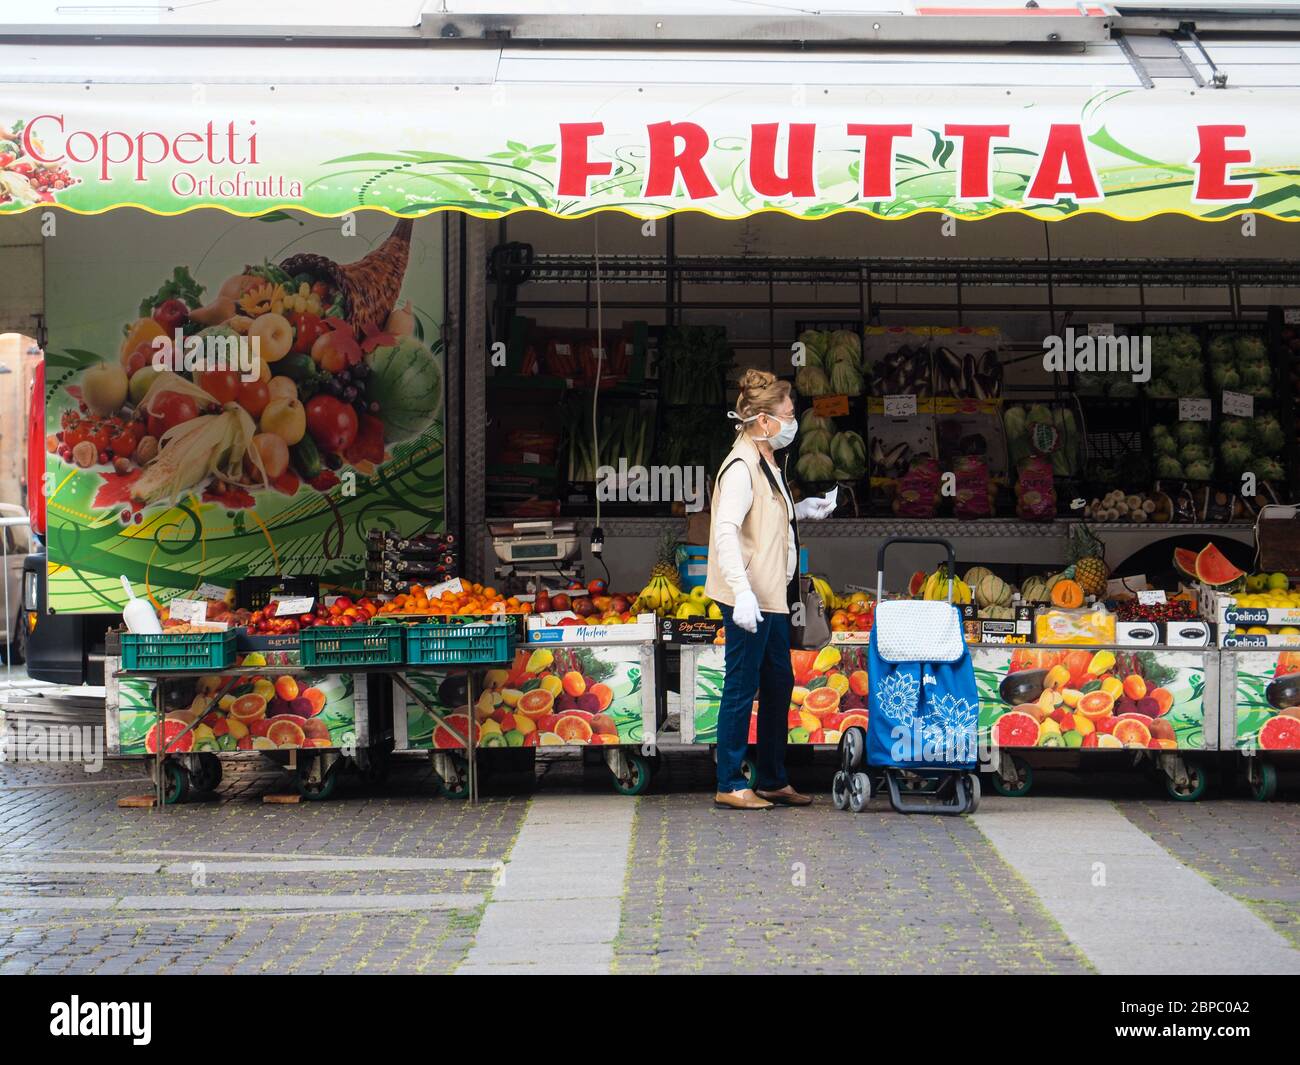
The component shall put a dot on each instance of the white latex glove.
(814, 508)
(745, 612)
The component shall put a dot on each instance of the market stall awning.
(1125, 129)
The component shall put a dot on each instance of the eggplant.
(1284, 692)
(453, 691)
(1023, 687)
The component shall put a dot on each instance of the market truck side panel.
(350, 435)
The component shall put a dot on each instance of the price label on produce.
(452, 585)
(900, 406)
(1291, 316)
(1101, 329)
(831, 406)
(294, 604)
(1151, 597)
(1194, 410)
(194, 611)
(1238, 403)
(211, 591)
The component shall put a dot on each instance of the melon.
(976, 574)
(1034, 590)
(1185, 562)
(991, 590)
(1015, 728)
(1214, 569)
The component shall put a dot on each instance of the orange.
(285, 733)
(536, 703)
(1131, 733)
(286, 688)
(858, 682)
(315, 699)
(822, 701)
(603, 693)
(572, 729)
(1164, 698)
(248, 708)
(1096, 705)
(1134, 686)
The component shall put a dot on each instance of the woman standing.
(753, 558)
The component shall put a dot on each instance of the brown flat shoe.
(740, 800)
(787, 796)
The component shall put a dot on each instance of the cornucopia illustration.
(342, 375)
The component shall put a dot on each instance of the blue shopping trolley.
(922, 707)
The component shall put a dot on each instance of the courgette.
(306, 458)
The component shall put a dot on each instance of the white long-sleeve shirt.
(733, 495)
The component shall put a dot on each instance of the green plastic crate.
(358, 645)
(150, 651)
(449, 645)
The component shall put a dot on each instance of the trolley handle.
(880, 560)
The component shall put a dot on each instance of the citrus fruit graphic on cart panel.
(229, 397)
(1268, 700)
(829, 696)
(256, 713)
(548, 696)
(1089, 698)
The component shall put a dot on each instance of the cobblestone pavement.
(817, 890)
(309, 919)
(706, 890)
(1248, 849)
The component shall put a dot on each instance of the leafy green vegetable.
(181, 286)
(271, 272)
(597, 669)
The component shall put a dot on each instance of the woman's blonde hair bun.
(760, 393)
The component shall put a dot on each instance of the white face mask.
(784, 436)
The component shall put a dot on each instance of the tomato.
(124, 442)
(307, 329)
(170, 409)
(171, 314)
(331, 422)
(221, 385)
(253, 396)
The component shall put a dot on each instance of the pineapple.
(666, 561)
(1087, 565)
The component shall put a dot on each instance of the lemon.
(1277, 582)
(254, 658)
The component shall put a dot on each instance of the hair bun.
(755, 380)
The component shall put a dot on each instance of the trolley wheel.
(1193, 790)
(840, 790)
(208, 777)
(1024, 779)
(859, 792)
(973, 792)
(853, 748)
(1264, 786)
(176, 783)
(638, 776)
(316, 790)
(460, 789)
(750, 768)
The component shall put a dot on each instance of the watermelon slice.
(1214, 569)
(1185, 562)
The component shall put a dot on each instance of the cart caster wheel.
(750, 768)
(176, 783)
(459, 790)
(859, 792)
(208, 777)
(638, 776)
(1264, 786)
(853, 747)
(1193, 790)
(316, 790)
(973, 792)
(840, 790)
(1024, 779)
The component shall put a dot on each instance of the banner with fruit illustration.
(1268, 700)
(229, 398)
(1091, 697)
(728, 150)
(594, 694)
(829, 696)
(256, 714)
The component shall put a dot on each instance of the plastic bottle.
(139, 614)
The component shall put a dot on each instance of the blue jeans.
(757, 664)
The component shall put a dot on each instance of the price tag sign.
(295, 604)
(1238, 403)
(831, 406)
(195, 611)
(900, 406)
(1101, 329)
(452, 585)
(212, 591)
(1194, 410)
(1291, 316)
(1152, 597)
